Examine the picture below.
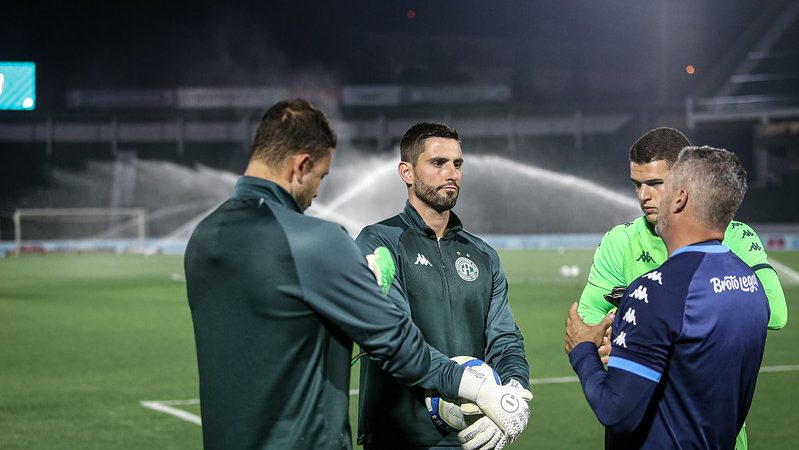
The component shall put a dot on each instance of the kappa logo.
(746, 234)
(640, 294)
(655, 276)
(420, 259)
(629, 316)
(736, 225)
(466, 269)
(645, 257)
(621, 340)
(755, 247)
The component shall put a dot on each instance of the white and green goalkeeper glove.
(482, 435)
(506, 406)
(382, 265)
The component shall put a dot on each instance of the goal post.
(78, 224)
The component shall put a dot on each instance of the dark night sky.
(149, 44)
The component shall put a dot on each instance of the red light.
(411, 14)
(689, 69)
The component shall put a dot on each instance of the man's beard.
(430, 196)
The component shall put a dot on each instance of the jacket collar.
(649, 226)
(415, 221)
(249, 187)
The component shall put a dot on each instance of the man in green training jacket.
(454, 289)
(277, 299)
(632, 249)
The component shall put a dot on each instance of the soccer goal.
(35, 226)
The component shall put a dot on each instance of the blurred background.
(124, 123)
(143, 112)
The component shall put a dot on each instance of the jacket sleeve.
(607, 272)
(776, 297)
(441, 368)
(746, 244)
(339, 286)
(504, 341)
(618, 398)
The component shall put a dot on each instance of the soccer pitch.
(85, 339)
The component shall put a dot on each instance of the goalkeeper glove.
(482, 435)
(505, 405)
(615, 295)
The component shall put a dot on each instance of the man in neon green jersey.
(632, 249)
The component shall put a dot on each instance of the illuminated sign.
(17, 85)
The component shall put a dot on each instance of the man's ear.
(680, 201)
(405, 170)
(301, 165)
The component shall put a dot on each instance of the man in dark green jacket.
(277, 298)
(453, 286)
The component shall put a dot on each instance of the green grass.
(85, 338)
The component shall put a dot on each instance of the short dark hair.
(660, 144)
(412, 143)
(718, 182)
(290, 127)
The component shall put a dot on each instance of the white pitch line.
(554, 380)
(164, 405)
(785, 270)
(179, 413)
(559, 380)
(191, 401)
(780, 368)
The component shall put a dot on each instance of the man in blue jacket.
(688, 337)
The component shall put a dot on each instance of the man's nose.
(452, 172)
(644, 192)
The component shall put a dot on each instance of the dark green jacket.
(277, 299)
(456, 292)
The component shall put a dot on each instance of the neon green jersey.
(632, 249)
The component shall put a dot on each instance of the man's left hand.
(577, 331)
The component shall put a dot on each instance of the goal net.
(85, 227)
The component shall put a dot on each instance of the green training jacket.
(456, 292)
(277, 298)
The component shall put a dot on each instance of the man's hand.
(382, 265)
(604, 349)
(482, 435)
(506, 406)
(577, 331)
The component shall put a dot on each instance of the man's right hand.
(482, 435)
(505, 405)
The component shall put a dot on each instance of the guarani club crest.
(466, 269)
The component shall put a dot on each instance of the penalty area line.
(785, 270)
(164, 407)
(574, 379)
(556, 380)
(168, 406)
